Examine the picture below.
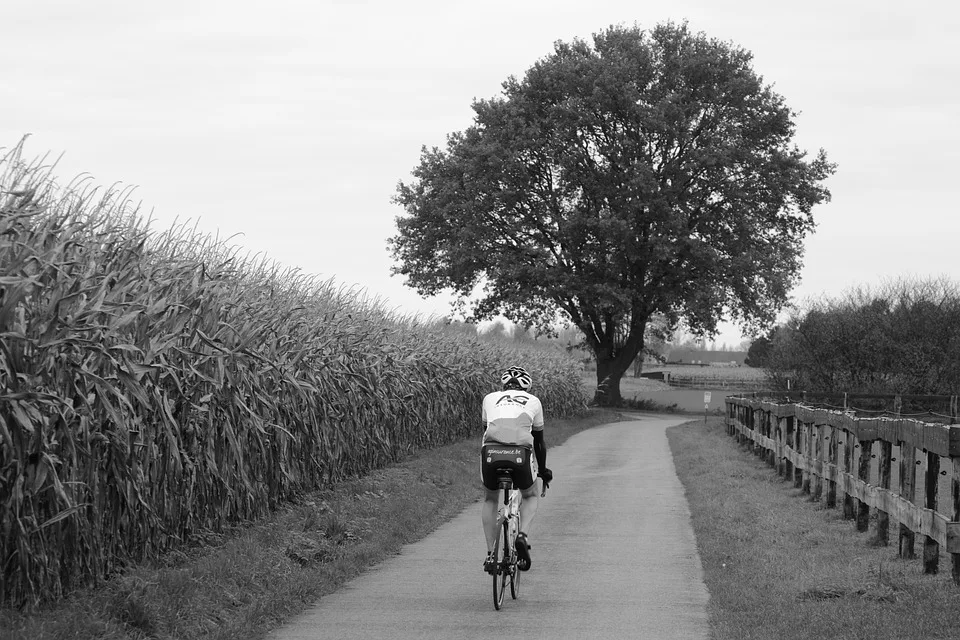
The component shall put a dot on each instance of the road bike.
(505, 548)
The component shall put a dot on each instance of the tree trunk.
(609, 372)
(613, 356)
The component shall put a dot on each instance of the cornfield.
(159, 386)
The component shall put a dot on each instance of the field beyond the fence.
(740, 378)
(686, 387)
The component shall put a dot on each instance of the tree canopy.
(647, 172)
(758, 354)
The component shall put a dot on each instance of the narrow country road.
(614, 556)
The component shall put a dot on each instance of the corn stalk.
(160, 386)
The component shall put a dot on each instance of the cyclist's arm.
(540, 449)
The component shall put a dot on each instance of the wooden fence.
(716, 383)
(845, 460)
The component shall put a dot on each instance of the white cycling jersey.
(511, 417)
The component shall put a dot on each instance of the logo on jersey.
(504, 452)
(521, 400)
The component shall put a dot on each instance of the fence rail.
(932, 408)
(842, 459)
(706, 382)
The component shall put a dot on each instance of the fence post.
(776, 456)
(931, 548)
(847, 441)
(757, 431)
(817, 435)
(768, 456)
(832, 450)
(863, 473)
(883, 518)
(757, 426)
(908, 473)
(848, 450)
(956, 515)
(788, 439)
(807, 445)
(798, 447)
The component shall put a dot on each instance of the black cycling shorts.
(516, 457)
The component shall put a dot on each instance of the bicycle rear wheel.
(514, 575)
(510, 532)
(501, 553)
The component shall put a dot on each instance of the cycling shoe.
(523, 552)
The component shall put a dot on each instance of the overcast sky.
(290, 123)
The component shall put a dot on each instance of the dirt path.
(613, 549)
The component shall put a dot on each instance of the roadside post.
(706, 405)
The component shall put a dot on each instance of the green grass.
(780, 566)
(241, 585)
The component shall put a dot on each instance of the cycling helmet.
(517, 376)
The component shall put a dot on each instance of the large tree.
(650, 172)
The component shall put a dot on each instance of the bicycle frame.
(510, 512)
(508, 520)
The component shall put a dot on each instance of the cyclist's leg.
(488, 516)
(489, 506)
(529, 505)
(531, 495)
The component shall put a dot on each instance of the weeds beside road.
(780, 566)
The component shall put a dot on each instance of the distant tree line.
(902, 337)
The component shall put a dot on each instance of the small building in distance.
(706, 358)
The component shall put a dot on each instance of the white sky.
(290, 123)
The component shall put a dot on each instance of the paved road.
(613, 550)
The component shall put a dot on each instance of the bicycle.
(505, 547)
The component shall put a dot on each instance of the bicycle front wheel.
(501, 552)
(514, 578)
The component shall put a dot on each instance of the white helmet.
(518, 376)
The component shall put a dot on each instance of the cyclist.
(512, 416)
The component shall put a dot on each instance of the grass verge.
(778, 565)
(240, 585)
